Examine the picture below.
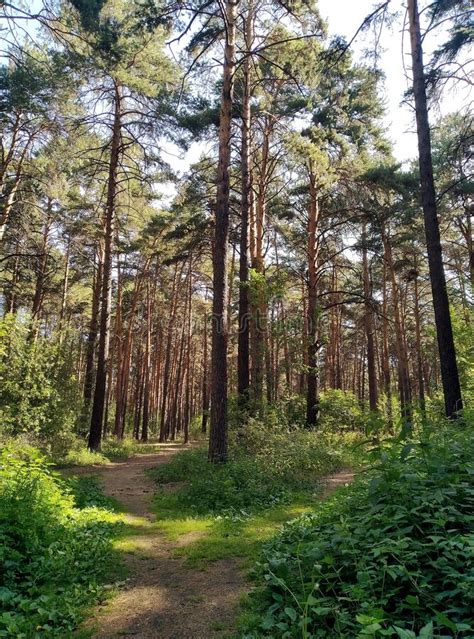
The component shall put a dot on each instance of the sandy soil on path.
(164, 598)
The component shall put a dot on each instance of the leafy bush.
(238, 485)
(341, 411)
(38, 391)
(296, 454)
(391, 556)
(267, 465)
(120, 449)
(53, 555)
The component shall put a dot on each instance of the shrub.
(296, 454)
(391, 557)
(75, 452)
(53, 555)
(267, 465)
(341, 411)
(38, 391)
(238, 485)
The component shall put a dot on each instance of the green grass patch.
(217, 511)
(75, 453)
(203, 538)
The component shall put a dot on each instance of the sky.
(344, 18)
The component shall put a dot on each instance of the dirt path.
(163, 598)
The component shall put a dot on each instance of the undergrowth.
(75, 453)
(232, 508)
(391, 556)
(238, 486)
(55, 546)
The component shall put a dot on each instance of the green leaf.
(404, 634)
(292, 614)
(445, 621)
(427, 631)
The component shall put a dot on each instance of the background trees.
(288, 260)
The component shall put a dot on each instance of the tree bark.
(218, 434)
(243, 346)
(93, 329)
(205, 381)
(95, 432)
(419, 355)
(146, 369)
(369, 326)
(444, 330)
(312, 398)
(402, 356)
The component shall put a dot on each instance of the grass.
(391, 556)
(113, 450)
(219, 512)
(210, 538)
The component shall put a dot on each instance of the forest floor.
(165, 596)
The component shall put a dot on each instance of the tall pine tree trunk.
(419, 355)
(97, 416)
(205, 381)
(93, 329)
(146, 368)
(243, 352)
(402, 355)
(369, 326)
(218, 434)
(444, 331)
(312, 399)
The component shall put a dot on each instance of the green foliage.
(297, 454)
(87, 493)
(341, 411)
(54, 547)
(239, 485)
(463, 323)
(75, 453)
(38, 390)
(391, 556)
(269, 463)
(272, 476)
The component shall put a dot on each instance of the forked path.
(163, 597)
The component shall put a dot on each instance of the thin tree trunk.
(312, 399)
(187, 399)
(6, 209)
(369, 326)
(419, 355)
(65, 288)
(41, 274)
(243, 346)
(93, 328)
(205, 381)
(385, 350)
(403, 370)
(146, 367)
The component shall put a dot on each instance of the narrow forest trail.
(163, 597)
